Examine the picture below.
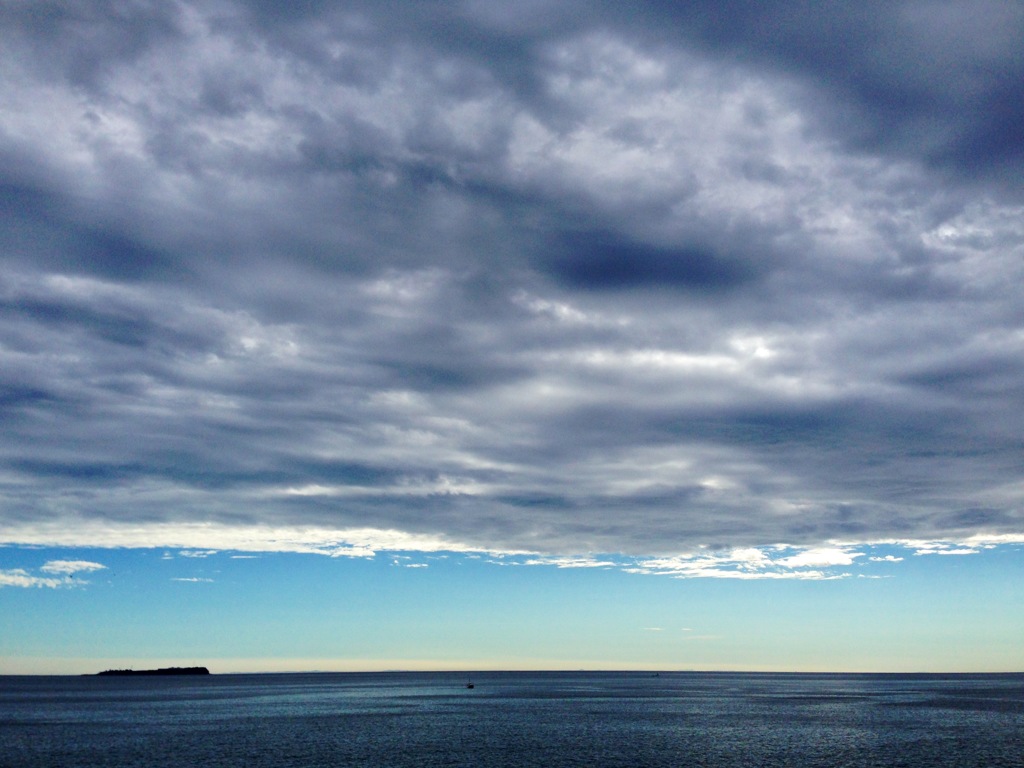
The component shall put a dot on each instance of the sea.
(548, 719)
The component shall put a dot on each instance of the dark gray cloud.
(548, 277)
(81, 42)
(936, 81)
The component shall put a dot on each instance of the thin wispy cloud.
(69, 567)
(673, 283)
(568, 562)
(55, 574)
(19, 577)
(751, 563)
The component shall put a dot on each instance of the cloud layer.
(547, 278)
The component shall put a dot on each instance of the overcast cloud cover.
(558, 278)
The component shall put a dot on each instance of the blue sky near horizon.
(662, 334)
(236, 612)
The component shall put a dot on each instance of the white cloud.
(19, 577)
(751, 563)
(990, 540)
(349, 551)
(820, 556)
(60, 573)
(570, 562)
(944, 548)
(192, 536)
(69, 567)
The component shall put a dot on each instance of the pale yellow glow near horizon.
(37, 665)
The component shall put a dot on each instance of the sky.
(486, 335)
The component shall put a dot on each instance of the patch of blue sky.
(279, 611)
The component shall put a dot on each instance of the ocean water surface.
(546, 719)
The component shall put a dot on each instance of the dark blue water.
(514, 719)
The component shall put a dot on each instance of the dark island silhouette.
(161, 672)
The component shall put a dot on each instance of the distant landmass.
(164, 671)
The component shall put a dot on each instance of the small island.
(164, 671)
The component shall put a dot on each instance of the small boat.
(469, 684)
